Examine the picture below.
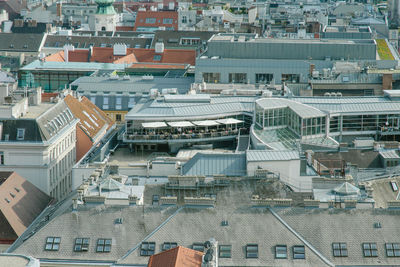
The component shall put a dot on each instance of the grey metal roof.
(271, 155)
(389, 154)
(373, 105)
(21, 42)
(133, 84)
(303, 110)
(219, 106)
(213, 164)
(75, 66)
(246, 225)
(59, 41)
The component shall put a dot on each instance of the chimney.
(68, 48)
(312, 68)
(159, 47)
(387, 80)
(59, 9)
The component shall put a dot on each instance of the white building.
(38, 141)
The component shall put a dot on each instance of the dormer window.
(20, 133)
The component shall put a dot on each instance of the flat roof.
(76, 66)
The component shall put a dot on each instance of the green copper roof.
(105, 7)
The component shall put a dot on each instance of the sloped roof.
(177, 257)
(110, 184)
(91, 118)
(346, 189)
(133, 56)
(159, 16)
(214, 164)
(21, 42)
(272, 155)
(25, 201)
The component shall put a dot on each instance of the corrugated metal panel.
(271, 155)
(214, 164)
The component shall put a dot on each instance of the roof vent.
(159, 47)
(224, 223)
(119, 49)
(377, 225)
(118, 221)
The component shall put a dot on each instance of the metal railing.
(182, 136)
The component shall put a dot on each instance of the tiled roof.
(134, 55)
(21, 42)
(25, 201)
(91, 118)
(159, 16)
(177, 257)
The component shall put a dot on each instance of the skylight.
(370, 250)
(81, 244)
(225, 251)
(299, 252)
(147, 248)
(339, 249)
(52, 243)
(103, 245)
(280, 252)
(169, 245)
(252, 251)
(392, 249)
(198, 247)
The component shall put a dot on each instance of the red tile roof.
(91, 118)
(124, 28)
(159, 16)
(176, 257)
(134, 55)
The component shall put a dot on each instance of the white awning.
(178, 124)
(156, 124)
(205, 123)
(229, 121)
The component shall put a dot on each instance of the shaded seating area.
(185, 129)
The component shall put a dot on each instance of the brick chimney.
(387, 80)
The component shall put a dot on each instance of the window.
(225, 251)
(105, 102)
(184, 19)
(280, 252)
(252, 251)
(103, 245)
(103, 45)
(81, 244)
(370, 250)
(339, 249)
(168, 21)
(169, 245)
(93, 99)
(1, 158)
(392, 249)
(198, 247)
(147, 248)
(118, 102)
(237, 77)
(157, 57)
(20, 133)
(53, 243)
(118, 117)
(264, 78)
(150, 20)
(212, 77)
(131, 102)
(291, 78)
(299, 252)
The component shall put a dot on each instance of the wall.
(83, 144)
